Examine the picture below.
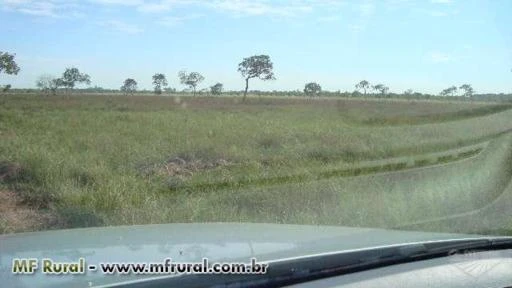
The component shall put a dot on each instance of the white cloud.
(47, 8)
(177, 20)
(367, 9)
(439, 57)
(154, 7)
(119, 2)
(441, 1)
(331, 18)
(356, 28)
(255, 8)
(438, 13)
(236, 8)
(121, 26)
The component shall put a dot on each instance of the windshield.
(382, 114)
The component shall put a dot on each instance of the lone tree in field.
(72, 76)
(257, 66)
(408, 92)
(159, 81)
(56, 84)
(468, 90)
(47, 83)
(449, 91)
(381, 88)
(7, 64)
(191, 79)
(363, 85)
(312, 89)
(129, 86)
(216, 89)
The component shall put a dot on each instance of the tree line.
(253, 67)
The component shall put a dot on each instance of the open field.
(75, 161)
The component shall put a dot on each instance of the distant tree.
(191, 79)
(257, 66)
(449, 91)
(72, 76)
(408, 92)
(468, 90)
(7, 64)
(363, 85)
(216, 89)
(312, 89)
(129, 86)
(159, 80)
(356, 93)
(56, 84)
(46, 83)
(6, 88)
(381, 88)
(170, 90)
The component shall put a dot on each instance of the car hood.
(220, 242)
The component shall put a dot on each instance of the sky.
(421, 45)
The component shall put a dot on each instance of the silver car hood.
(184, 243)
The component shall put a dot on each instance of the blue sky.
(422, 45)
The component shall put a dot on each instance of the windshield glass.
(384, 114)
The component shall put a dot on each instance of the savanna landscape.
(77, 160)
(385, 114)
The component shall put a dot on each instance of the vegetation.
(216, 89)
(71, 77)
(159, 81)
(47, 83)
(312, 89)
(449, 91)
(170, 159)
(468, 90)
(381, 88)
(7, 64)
(129, 86)
(191, 79)
(173, 159)
(363, 85)
(257, 66)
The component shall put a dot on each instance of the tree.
(381, 88)
(170, 90)
(46, 83)
(129, 86)
(72, 76)
(56, 83)
(449, 91)
(408, 92)
(159, 80)
(6, 88)
(312, 89)
(191, 79)
(356, 93)
(216, 89)
(363, 85)
(468, 90)
(257, 66)
(7, 64)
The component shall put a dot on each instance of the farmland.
(75, 161)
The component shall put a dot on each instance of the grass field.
(76, 161)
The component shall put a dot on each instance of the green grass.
(108, 160)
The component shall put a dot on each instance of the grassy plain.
(77, 161)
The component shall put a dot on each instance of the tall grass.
(98, 160)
